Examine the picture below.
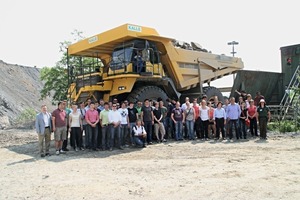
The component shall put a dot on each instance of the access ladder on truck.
(290, 94)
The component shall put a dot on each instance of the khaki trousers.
(46, 137)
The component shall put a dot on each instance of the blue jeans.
(123, 133)
(235, 123)
(148, 129)
(132, 124)
(243, 129)
(105, 137)
(190, 129)
(139, 141)
(178, 130)
(93, 136)
(168, 122)
(87, 136)
(115, 132)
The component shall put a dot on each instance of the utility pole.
(233, 52)
(233, 43)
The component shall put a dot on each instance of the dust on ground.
(251, 169)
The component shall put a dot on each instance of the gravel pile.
(20, 88)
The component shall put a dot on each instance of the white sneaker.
(62, 151)
(57, 152)
(76, 149)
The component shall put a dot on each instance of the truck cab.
(137, 57)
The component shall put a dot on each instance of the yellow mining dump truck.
(134, 63)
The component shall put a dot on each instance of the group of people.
(108, 125)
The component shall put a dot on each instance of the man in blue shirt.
(233, 113)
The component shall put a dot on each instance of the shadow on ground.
(31, 149)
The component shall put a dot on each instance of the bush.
(287, 126)
(283, 126)
(26, 116)
(273, 126)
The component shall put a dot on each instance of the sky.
(31, 30)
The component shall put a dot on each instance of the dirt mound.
(20, 88)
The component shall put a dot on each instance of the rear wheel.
(211, 92)
(147, 92)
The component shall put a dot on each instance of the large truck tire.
(211, 92)
(147, 92)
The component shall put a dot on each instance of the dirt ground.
(175, 170)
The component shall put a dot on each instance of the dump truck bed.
(187, 68)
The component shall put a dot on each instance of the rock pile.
(20, 88)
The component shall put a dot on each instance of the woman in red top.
(252, 115)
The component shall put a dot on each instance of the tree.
(56, 77)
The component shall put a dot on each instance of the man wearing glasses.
(114, 118)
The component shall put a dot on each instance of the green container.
(288, 69)
(268, 83)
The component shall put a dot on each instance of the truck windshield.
(121, 58)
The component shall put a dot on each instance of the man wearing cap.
(264, 117)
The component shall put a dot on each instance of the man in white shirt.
(114, 118)
(184, 106)
(124, 124)
(139, 134)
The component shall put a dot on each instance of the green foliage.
(56, 77)
(287, 126)
(27, 115)
(273, 126)
(283, 126)
(56, 82)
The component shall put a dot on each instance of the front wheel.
(147, 92)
